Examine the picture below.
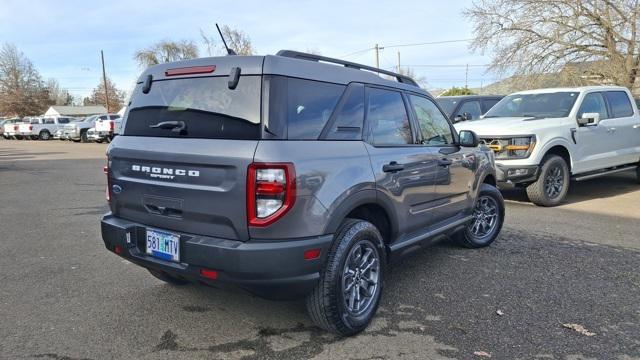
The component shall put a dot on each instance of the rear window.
(206, 106)
(619, 103)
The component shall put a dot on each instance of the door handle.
(393, 167)
(636, 126)
(611, 130)
(444, 162)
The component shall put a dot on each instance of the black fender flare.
(362, 197)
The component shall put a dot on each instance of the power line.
(426, 43)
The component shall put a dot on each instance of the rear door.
(181, 162)
(455, 165)
(404, 170)
(623, 127)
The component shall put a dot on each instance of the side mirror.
(589, 119)
(467, 116)
(468, 138)
(458, 118)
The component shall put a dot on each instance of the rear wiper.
(175, 126)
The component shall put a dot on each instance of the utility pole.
(377, 49)
(466, 78)
(104, 80)
(398, 62)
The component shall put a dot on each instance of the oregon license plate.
(163, 245)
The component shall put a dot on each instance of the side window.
(387, 118)
(619, 103)
(114, 117)
(63, 120)
(49, 121)
(309, 106)
(594, 103)
(103, 117)
(488, 104)
(434, 127)
(472, 108)
(348, 122)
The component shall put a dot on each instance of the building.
(78, 111)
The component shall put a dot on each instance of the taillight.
(30, 127)
(112, 125)
(271, 192)
(15, 128)
(105, 169)
(191, 70)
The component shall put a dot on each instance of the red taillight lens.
(312, 254)
(30, 127)
(15, 128)
(209, 274)
(191, 70)
(112, 125)
(271, 192)
(118, 249)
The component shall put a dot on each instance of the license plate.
(163, 245)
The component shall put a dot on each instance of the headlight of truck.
(505, 148)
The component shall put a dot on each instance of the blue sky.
(64, 38)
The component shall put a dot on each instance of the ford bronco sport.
(292, 175)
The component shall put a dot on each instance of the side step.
(605, 172)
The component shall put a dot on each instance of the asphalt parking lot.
(64, 296)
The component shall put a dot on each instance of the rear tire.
(488, 217)
(347, 296)
(171, 280)
(552, 184)
(44, 135)
(83, 137)
(638, 174)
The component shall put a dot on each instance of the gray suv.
(292, 175)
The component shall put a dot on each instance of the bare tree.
(166, 51)
(57, 94)
(97, 97)
(22, 91)
(236, 40)
(538, 36)
(421, 80)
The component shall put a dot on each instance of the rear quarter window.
(309, 107)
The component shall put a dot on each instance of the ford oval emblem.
(116, 189)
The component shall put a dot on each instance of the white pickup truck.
(544, 138)
(43, 128)
(108, 126)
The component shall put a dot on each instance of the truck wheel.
(552, 184)
(638, 173)
(83, 137)
(171, 280)
(347, 296)
(488, 217)
(44, 135)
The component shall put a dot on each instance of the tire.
(552, 184)
(328, 305)
(638, 174)
(44, 135)
(99, 141)
(17, 137)
(83, 137)
(34, 137)
(488, 217)
(171, 280)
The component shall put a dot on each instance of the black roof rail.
(312, 57)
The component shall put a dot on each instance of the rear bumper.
(271, 269)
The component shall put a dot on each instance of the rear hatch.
(181, 161)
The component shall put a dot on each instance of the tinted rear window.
(206, 106)
(619, 103)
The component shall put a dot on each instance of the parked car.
(12, 129)
(7, 123)
(544, 138)
(314, 202)
(108, 126)
(77, 130)
(25, 129)
(93, 135)
(468, 107)
(44, 128)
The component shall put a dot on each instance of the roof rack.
(311, 57)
